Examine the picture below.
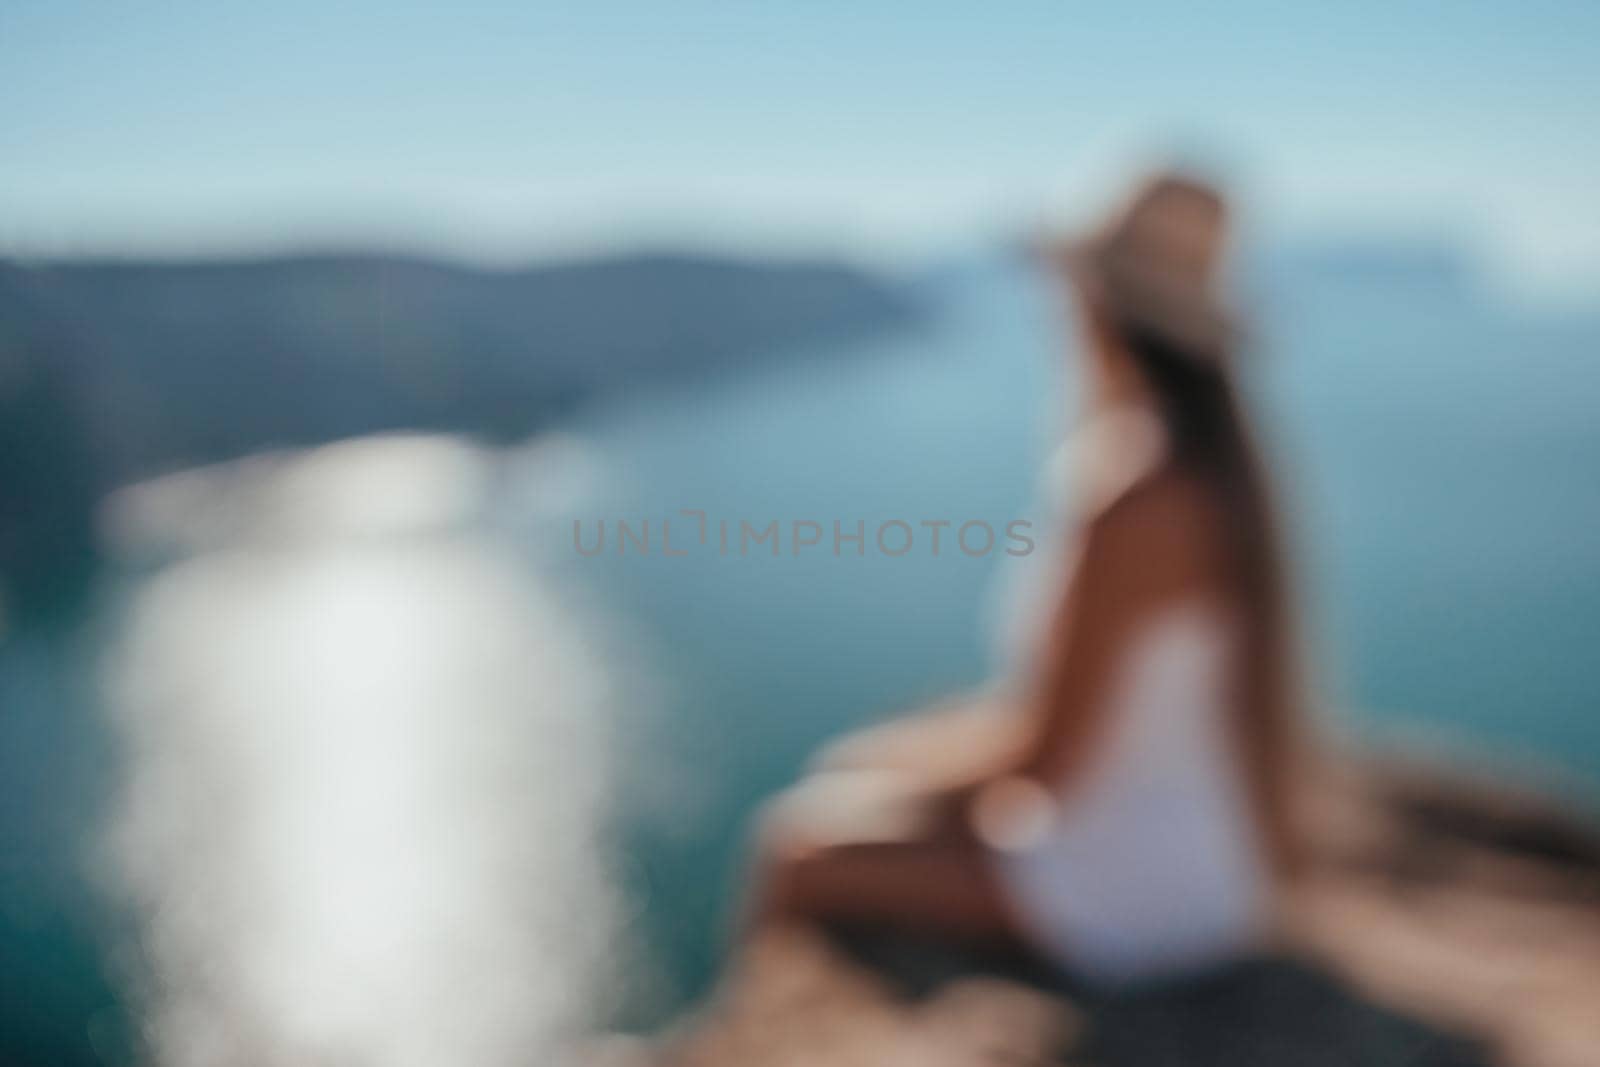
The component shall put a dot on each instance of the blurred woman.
(1131, 818)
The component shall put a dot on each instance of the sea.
(749, 560)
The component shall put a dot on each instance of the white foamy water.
(365, 773)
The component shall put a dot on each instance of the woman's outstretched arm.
(951, 742)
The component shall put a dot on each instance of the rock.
(1446, 922)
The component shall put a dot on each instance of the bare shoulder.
(1163, 534)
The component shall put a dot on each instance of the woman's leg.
(942, 886)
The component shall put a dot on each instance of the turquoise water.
(1438, 453)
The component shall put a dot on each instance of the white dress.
(1152, 865)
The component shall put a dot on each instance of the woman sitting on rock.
(1130, 819)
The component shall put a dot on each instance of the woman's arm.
(949, 743)
(977, 765)
(1146, 551)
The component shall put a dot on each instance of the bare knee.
(782, 847)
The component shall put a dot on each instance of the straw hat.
(1156, 264)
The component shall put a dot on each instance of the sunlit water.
(365, 774)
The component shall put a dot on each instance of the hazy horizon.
(497, 134)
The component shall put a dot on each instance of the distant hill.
(113, 371)
(1429, 269)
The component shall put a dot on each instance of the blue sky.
(502, 130)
